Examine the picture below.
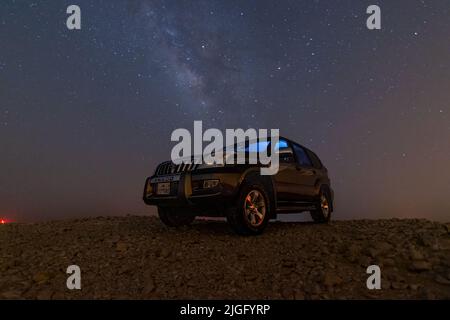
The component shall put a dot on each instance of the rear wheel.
(250, 214)
(175, 217)
(322, 214)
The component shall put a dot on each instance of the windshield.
(260, 146)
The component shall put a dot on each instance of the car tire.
(174, 217)
(322, 214)
(251, 212)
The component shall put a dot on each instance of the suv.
(240, 193)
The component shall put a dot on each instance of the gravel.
(137, 257)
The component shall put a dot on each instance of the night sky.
(85, 116)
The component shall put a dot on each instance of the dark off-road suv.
(240, 193)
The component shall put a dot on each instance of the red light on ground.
(2, 221)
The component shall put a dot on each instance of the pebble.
(420, 266)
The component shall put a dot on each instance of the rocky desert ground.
(137, 257)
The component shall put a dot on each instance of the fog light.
(210, 184)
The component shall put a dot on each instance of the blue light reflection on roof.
(262, 146)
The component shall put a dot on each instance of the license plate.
(163, 188)
(165, 179)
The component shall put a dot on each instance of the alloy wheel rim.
(255, 208)
(324, 205)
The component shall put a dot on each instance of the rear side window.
(315, 160)
(302, 157)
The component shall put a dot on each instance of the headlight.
(214, 165)
(148, 189)
(207, 184)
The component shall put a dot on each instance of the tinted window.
(302, 157)
(261, 146)
(315, 160)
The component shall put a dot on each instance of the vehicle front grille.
(170, 168)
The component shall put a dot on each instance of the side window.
(285, 152)
(315, 160)
(302, 157)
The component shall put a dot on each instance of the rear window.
(302, 157)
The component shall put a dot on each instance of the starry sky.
(86, 115)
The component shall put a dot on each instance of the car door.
(285, 180)
(305, 174)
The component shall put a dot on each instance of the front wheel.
(175, 217)
(322, 213)
(251, 213)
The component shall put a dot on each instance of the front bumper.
(186, 190)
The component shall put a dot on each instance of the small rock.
(251, 276)
(414, 287)
(299, 295)
(45, 294)
(440, 279)
(371, 252)
(399, 285)
(388, 262)
(383, 248)
(315, 289)
(121, 246)
(427, 294)
(149, 287)
(447, 227)
(58, 296)
(331, 279)
(11, 295)
(312, 289)
(41, 277)
(420, 266)
(426, 240)
(364, 261)
(191, 283)
(288, 264)
(162, 253)
(287, 294)
(435, 247)
(415, 254)
(352, 252)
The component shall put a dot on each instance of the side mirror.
(286, 158)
